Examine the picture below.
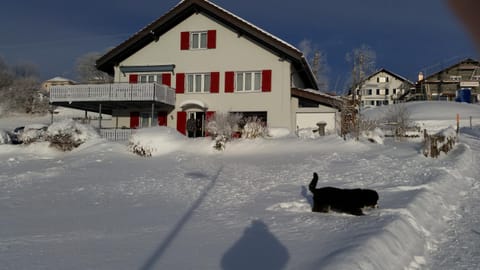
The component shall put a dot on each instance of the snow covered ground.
(191, 207)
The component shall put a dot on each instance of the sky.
(408, 36)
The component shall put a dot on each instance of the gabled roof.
(185, 9)
(474, 65)
(390, 73)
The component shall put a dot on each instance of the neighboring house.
(447, 83)
(383, 87)
(56, 81)
(198, 60)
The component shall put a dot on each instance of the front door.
(199, 123)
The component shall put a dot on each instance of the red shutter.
(229, 81)
(180, 88)
(133, 78)
(184, 40)
(162, 119)
(208, 117)
(214, 82)
(267, 80)
(167, 79)
(134, 119)
(211, 39)
(182, 122)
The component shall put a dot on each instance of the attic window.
(382, 79)
(198, 40)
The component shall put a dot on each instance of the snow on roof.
(254, 26)
(59, 79)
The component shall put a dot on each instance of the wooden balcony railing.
(113, 92)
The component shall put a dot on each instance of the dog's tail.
(313, 183)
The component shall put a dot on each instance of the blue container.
(464, 95)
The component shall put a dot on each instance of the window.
(386, 91)
(198, 40)
(149, 78)
(456, 78)
(382, 79)
(369, 92)
(248, 81)
(198, 83)
(378, 92)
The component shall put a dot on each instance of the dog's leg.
(356, 212)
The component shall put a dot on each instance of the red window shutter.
(182, 122)
(229, 81)
(208, 117)
(162, 119)
(167, 79)
(184, 40)
(180, 87)
(214, 82)
(134, 119)
(267, 80)
(211, 39)
(133, 78)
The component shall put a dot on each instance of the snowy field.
(191, 207)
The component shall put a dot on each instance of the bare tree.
(87, 71)
(318, 61)
(363, 61)
(20, 89)
(6, 75)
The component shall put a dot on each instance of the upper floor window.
(198, 83)
(456, 78)
(248, 81)
(369, 92)
(198, 40)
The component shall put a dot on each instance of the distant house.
(56, 81)
(446, 83)
(383, 87)
(198, 60)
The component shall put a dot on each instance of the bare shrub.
(254, 128)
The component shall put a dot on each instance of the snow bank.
(156, 141)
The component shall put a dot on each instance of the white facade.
(212, 62)
(232, 53)
(382, 88)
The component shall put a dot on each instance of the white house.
(198, 60)
(383, 87)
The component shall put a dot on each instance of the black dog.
(350, 201)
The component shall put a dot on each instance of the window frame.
(193, 86)
(157, 78)
(202, 40)
(248, 81)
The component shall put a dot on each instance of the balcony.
(113, 92)
(106, 97)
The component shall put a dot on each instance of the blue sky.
(408, 35)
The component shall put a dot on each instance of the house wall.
(232, 53)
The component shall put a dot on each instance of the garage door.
(310, 120)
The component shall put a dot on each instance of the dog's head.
(370, 198)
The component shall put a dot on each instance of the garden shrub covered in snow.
(4, 138)
(148, 142)
(67, 134)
